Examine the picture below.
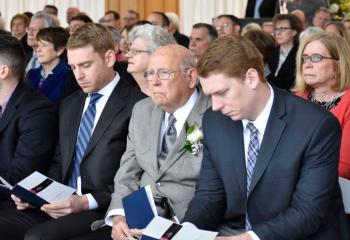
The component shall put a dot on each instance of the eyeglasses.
(225, 25)
(32, 30)
(281, 29)
(162, 74)
(133, 52)
(313, 58)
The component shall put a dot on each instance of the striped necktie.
(253, 150)
(84, 134)
(169, 139)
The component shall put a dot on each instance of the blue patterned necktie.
(253, 150)
(84, 134)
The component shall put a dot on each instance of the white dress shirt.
(181, 115)
(260, 123)
(100, 104)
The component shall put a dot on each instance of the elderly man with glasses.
(159, 127)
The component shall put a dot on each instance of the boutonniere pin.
(193, 140)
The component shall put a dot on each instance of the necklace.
(334, 100)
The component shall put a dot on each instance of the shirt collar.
(108, 89)
(182, 113)
(261, 121)
(4, 101)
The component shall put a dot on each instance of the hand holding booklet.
(163, 229)
(38, 189)
(139, 208)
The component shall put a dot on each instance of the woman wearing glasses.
(322, 77)
(145, 39)
(282, 62)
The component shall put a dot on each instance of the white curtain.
(94, 8)
(195, 11)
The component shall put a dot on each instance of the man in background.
(201, 36)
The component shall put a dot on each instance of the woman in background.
(282, 62)
(53, 75)
(145, 39)
(322, 77)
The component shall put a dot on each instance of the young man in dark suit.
(92, 138)
(28, 122)
(270, 161)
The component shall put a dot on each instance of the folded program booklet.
(163, 229)
(38, 189)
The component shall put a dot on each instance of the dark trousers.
(34, 224)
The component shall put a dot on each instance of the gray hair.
(188, 61)
(49, 20)
(308, 31)
(154, 36)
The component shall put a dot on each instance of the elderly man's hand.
(121, 231)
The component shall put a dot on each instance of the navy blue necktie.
(253, 150)
(84, 134)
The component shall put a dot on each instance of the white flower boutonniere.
(193, 140)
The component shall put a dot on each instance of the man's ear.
(110, 58)
(252, 78)
(236, 29)
(4, 71)
(192, 77)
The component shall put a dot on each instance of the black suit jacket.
(267, 8)
(106, 146)
(286, 75)
(294, 189)
(181, 39)
(28, 134)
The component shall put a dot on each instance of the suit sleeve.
(207, 208)
(129, 173)
(37, 131)
(314, 190)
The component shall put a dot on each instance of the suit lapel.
(231, 150)
(114, 105)
(155, 148)
(11, 107)
(74, 120)
(272, 135)
(195, 117)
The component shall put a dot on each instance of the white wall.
(194, 11)
(191, 11)
(94, 8)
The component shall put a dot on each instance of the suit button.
(158, 184)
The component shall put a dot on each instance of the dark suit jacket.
(54, 85)
(28, 134)
(294, 189)
(267, 8)
(286, 75)
(106, 146)
(181, 39)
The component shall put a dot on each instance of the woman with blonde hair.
(322, 77)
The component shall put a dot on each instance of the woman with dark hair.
(53, 75)
(286, 29)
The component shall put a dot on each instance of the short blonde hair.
(95, 34)
(338, 49)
